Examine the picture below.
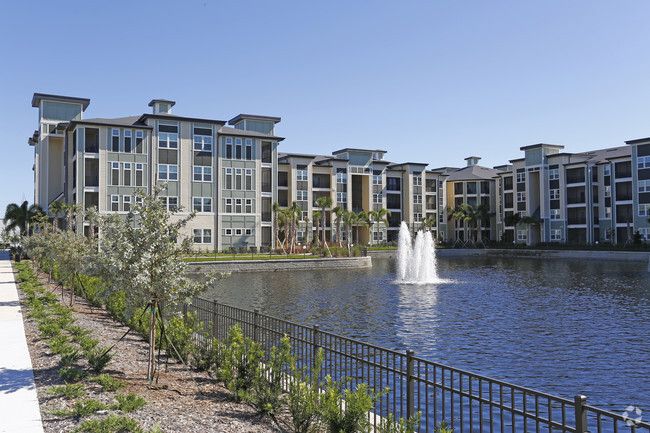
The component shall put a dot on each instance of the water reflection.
(564, 327)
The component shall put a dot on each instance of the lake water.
(562, 327)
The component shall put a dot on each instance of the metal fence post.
(581, 413)
(410, 384)
(256, 325)
(316, 348)
(215, 320)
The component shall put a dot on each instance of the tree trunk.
(151, 369)
(72, 292)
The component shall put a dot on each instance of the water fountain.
(416, 263)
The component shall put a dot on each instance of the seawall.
(280, 265)
(629, 256)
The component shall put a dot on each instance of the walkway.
(19, 410)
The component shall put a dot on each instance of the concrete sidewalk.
(19, 410)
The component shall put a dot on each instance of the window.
(202, 174)
(138, 200)
(126, 203)
(554, 194)
(238, 202)
(167, 172)
(555, 214)
(139, 139)
(521, 177)
(608, 191)
(238, 180)
(301, 195)
(645, 234)
(553, 174)
(249, 205)
(522, 235)
(607, 170)
(171, 203)
(203, 139)
(556, 235)
(417, 199)
(376, 179)
(342, 197)
(644, 210)
(417, 217)
(115, 140)
(249, 179)
(248, 232)
(644, 186)
(228, 148)
(228, 205)
(115, 203)
(521, 196)
(377, 198)
(301, 175)
(228, 178)
(115, 173)
(249, 149)
(643, 162)
(238, 143)
(128, 141)
(378, 236)
(608, 212)
(168, 136)
(202, 236)
(227, 232)
(417, 180)
(139, 174)
(341, 178)
(202, 204)
(238, 232)
(127, 174)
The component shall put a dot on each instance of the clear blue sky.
(430, 81)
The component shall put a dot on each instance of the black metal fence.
(467, 401)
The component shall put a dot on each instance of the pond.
(562, 327)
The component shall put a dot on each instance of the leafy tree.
(21, 215)
(295, 212)
(141, 255)
(316, 216)
(56, 208)
(323, 203)
(338, 211)
(513, 220)
(276, 223)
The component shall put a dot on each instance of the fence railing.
(467, 401)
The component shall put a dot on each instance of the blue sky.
(429, 81)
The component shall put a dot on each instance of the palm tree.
(284, 219)
(371, 220)
(276, 223)
(382, 216)
(482, 213)
(323, 203)
(93, 217)
(457, 214)
(338, 211)
(346, 216)
(71, 211)
(362, 218)
(512, 220)
(56, 208)
(295, 211)
(21, 216)
(306, 238)
(316, 216)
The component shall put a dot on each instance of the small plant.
(443, 427)
(77, 331)
(180, 331)
(390, 425)
(129, 403)
(241, 361)
(49, 329)
(108, 382)
(59, 344)
(113, 423)
(68, 390)
(266, 393)
(82, 408)
(70, 374)
(87, 344)
(208, 354)
(69, 357)
(98, 358)
(303, 396)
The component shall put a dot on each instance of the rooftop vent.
(472, 160)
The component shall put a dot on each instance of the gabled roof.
(473, 172)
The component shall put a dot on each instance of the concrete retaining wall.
(280, 265)
(629, 256)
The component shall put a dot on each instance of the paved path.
(19, 410)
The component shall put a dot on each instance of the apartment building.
(225, 171)
(231, 173)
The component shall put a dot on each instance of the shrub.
(390, 425)
(77, 331)
(180, 331)
(357, 405)
(98, 358)
(49, 329)
(87, 344)
(68, 390)
(69, 357)
(208, 354)
(266, 394)
(59, 344)
(129, 402)
(71, 374)
(111, 424)
(242, 358)
(108, 382)
(82, 408)
(443, 427)
(116, 305)
(303, 396)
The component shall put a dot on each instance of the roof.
(161, 101)
(130, 121)
(350, 149)
(162, 116)
(241, 117)
(472, 172)
(38, 97)
(638, 141)
(542, 145)
(603, 155)
(226, 130)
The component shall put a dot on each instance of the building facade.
(231, 173)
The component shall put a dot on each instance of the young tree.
(276, 224)
(323, 203)
(338, 211)
(142, 255)
(316, 216)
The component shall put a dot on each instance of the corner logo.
(630, 413)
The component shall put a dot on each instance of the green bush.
(443, 427)
(77, 331)
(86, 342)
(357, 405)
(49, 329)
(92, 289)
(303, 396)
(68, 390)
(108, 382)
(390, 425)
(129, 403)
(241, 361)
(71, 374)
(180, 333)
(98, 358)
(111, 424)
(208, 354)
(59, 344)
(267, 390)
(69, 357)
(82, 408)
(116, 305)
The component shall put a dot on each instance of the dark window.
(266, 151)
(507, 183)
(92, 140)
(624, 191)
(485, 187)
(575, 175)
(393, 183)
(508, 200)
(168, 128)
(623, 169)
